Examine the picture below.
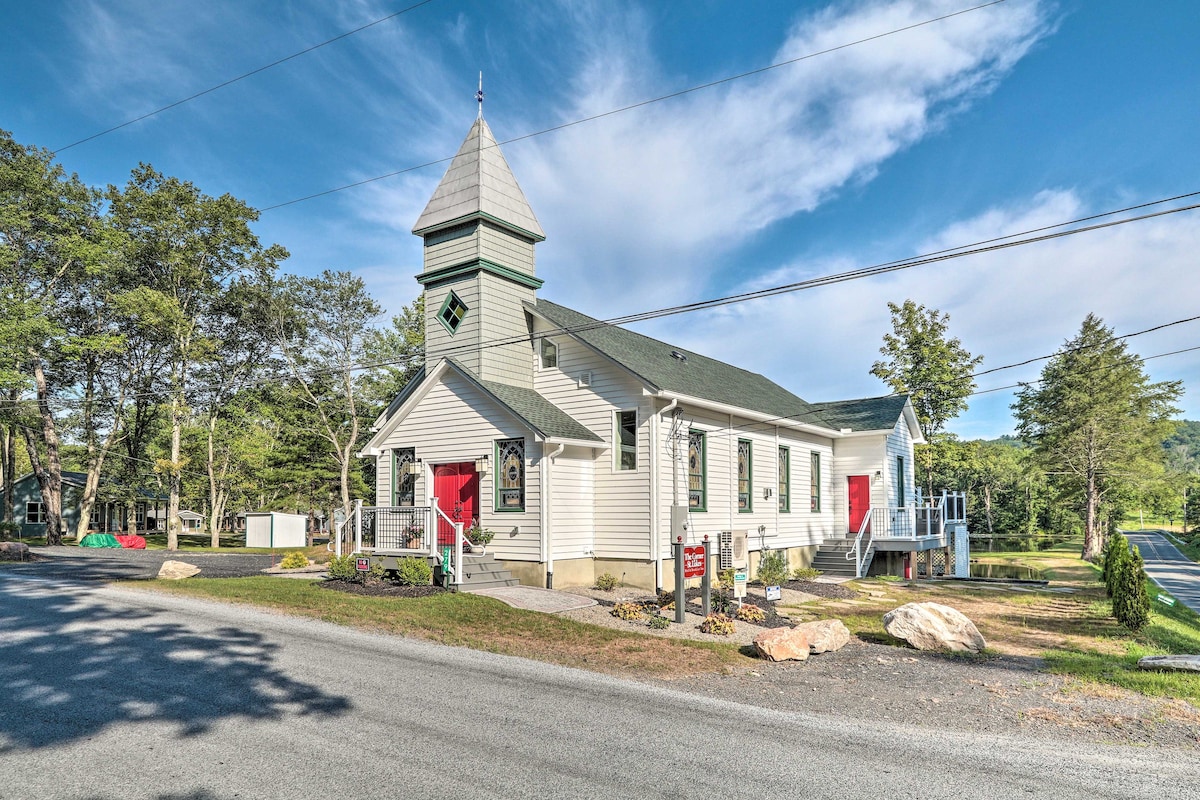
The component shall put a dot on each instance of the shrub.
(721, 601)
(8, 530)
(659, 622)
(606, 582)
(1130, 601)
(413, 572)
(342, 568)
(628, 611)
(294, 560)
(725, 579)
(772, 568)
(1115, 553)
(717, 624)
(805, 573)
(750, 613)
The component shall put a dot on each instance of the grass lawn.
(480, 623)
(1071, 632)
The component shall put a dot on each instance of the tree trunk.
(214, 523)
(49, 475)
(87, 501)
(1091, 534)
(174, 484)
(10, 468)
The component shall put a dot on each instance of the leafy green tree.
(1094, 420)
(188, 251)
(921, 360)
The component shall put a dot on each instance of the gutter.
(756, 416)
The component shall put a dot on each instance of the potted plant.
(413, 536)
(478, 537)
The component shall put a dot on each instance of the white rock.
(782, 644)
(933, 626)
(825, 635)
(177, 570)
(1170, 663)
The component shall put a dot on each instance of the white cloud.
(1009, 306)
(689, 178)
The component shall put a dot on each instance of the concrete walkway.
(532, 598)
(1168, 567)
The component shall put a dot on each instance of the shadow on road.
(72, 666)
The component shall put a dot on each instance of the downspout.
(547, 549)
(655, 510)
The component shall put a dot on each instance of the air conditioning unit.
(734, 550)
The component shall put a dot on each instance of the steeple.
(479, 185)
(479, 234)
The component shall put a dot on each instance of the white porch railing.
(450, 541)
(403, 530)
(919, 520)
(862, 551)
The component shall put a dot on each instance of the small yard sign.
(693, 560)
(739, 584)
(363, 564)
(774, 593)
(1166, 600)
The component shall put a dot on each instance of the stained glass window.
(404, 484)
(697, 488)
(900, 480)
(785, 479)
(814, 485)
(452, 313)
(627, 436)
(744, 475)
(510, 477)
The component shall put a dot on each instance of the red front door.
(456, 487)
(858, 492)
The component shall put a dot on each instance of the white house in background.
(580, 444)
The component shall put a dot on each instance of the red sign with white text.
(693, 560)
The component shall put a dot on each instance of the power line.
(243, 76)
(1129, 360)
(983, 246)
(640, 104)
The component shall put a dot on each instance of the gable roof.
(546, 420)
(871, 413)
(695, 375)
(479, 183)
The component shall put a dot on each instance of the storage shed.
(276, 529)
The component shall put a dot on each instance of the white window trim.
(617, 439)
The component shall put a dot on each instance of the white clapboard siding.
(899, 445)
(463, 346)
(572, 510)
(861, 455)
(455, 422)
(622, 498)
(502, 317)
(504, 248)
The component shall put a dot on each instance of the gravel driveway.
(111, 564)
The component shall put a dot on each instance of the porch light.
(481, 463)
(413, 467)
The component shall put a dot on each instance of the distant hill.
(1183, 446)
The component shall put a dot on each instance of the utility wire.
(984, 246)
(243, 76)
(639, 104)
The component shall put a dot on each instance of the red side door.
(456, 487)
(858, 492)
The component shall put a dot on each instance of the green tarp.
(99, 540)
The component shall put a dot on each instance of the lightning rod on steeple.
(479, 95)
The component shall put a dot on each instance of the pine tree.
(1131, 602)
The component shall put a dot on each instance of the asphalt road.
(116, 693)
(1168, 567)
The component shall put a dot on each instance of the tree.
(322, 325)
(934, 370)
(1094, 420)
(1130, 600)
(188, 251)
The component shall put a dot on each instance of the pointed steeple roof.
(479, 184)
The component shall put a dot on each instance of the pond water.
(1005, 571)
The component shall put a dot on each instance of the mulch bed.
(382, 589)
(830, 591)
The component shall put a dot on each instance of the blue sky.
(1007, 118)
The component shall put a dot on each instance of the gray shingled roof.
(539, 413)
(868, 414)
(479, 182)
(698, 376)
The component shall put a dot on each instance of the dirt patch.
(382, 589)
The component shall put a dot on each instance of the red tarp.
(132, 542)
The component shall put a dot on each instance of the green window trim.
(745, 476)
(900, 481)
(510, 475)
(452, 312)
(814, 485)
(697, 465)
(404, 486)
(785, 480)
(626, 440)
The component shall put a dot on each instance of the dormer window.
(452, 313)
(549, 354)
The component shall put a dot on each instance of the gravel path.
(111, 564)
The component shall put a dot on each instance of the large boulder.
(782, 644)
(177, 570)
(14, 551)
(825, 635)
(933, 626)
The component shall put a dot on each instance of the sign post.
(691, 561)
(680, 592)
(706, 580)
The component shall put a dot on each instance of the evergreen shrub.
(294, 560)
(413, 572)
(1130, 600)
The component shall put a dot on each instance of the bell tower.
(479, 235)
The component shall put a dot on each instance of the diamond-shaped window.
(452, 313)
